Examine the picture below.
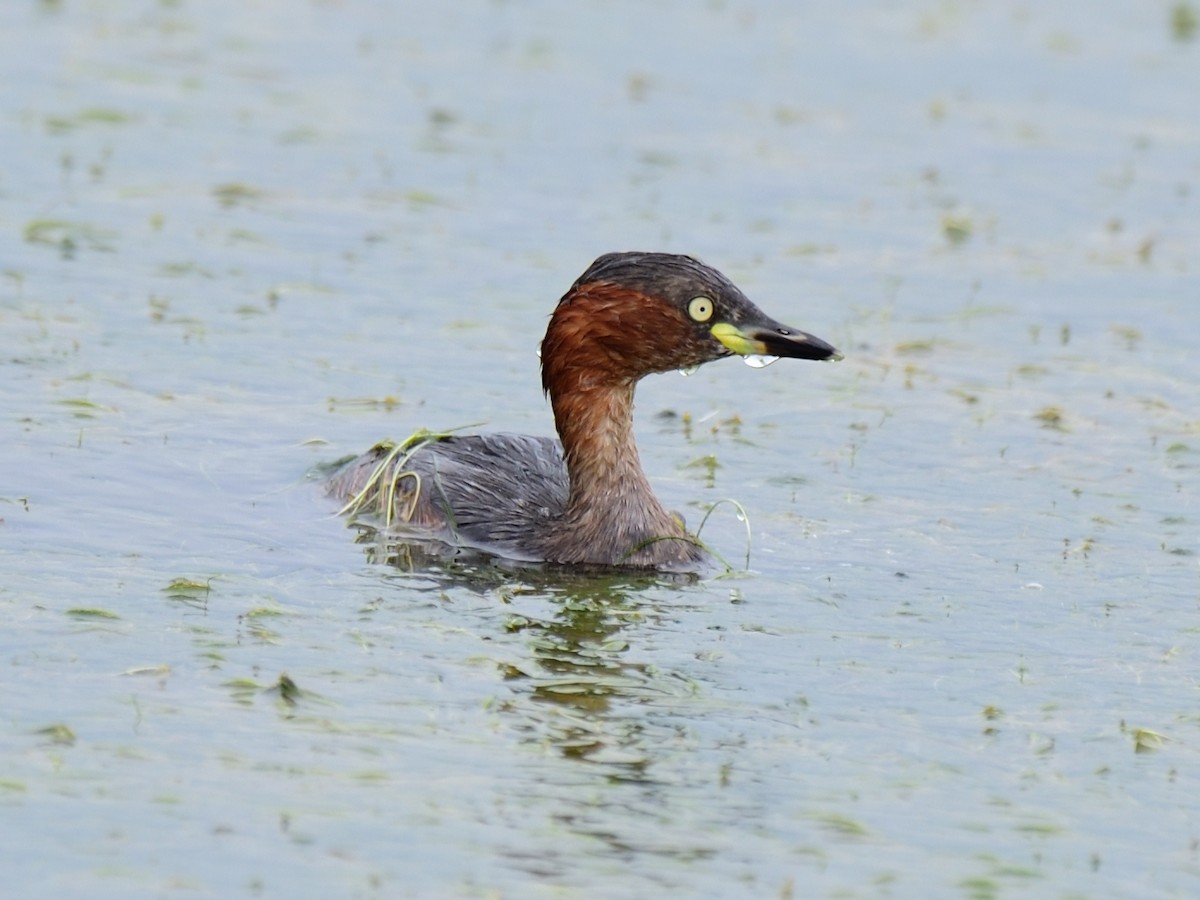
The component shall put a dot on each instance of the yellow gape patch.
(735, 340)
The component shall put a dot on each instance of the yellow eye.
(700, 309)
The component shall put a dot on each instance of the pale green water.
(227, 229)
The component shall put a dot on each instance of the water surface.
(238, 241)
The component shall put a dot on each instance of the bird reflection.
(576, 684)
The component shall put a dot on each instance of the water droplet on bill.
(759, 362)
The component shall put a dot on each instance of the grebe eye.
(700, 309)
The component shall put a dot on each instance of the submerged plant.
(378, 494)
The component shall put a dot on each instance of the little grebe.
(585, 500)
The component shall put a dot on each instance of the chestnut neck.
(591, 387)
(595, 424)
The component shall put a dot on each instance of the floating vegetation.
(980, 888)
(387, 403)
(158, 308)
(708, 464)
(1086, 546)
(287, 690)
(58, 733)
(1127, 333)
(186, 590)
(289, 694)
(160, 669)
(183, 269)
(244, 690)
(915, 348)
(1184, 22)
(256, 627)
(236, 194)
(1032, 370)
(957, 229)
(1042, 828)
(1145, 250)
(262, 634)
(67, 236)
(1051, 417)
(83, 408)
(790, 480)
(284, 289)
(95, 115)
(419, 198)
(91, 612)
(841, 825)
(1147, 741)
(262, 611)
(810, 250)
(1180, 455)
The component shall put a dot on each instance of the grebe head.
(632, 314)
